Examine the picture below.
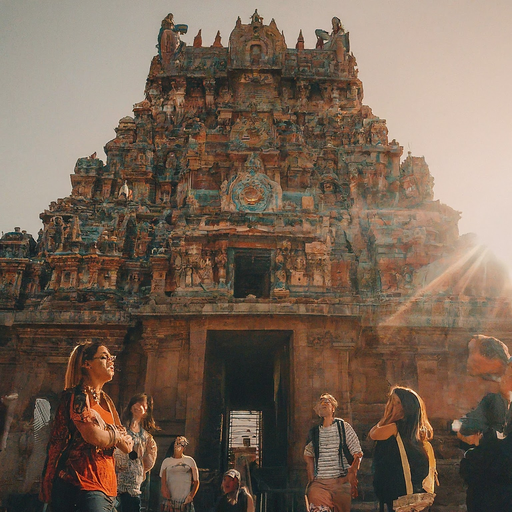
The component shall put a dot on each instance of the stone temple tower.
(254, 239)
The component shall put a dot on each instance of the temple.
(253, 239)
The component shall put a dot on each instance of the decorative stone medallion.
(251, 190)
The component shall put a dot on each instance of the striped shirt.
(329, 464)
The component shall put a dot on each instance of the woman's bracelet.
(112, 436)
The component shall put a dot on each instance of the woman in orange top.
(79, 473)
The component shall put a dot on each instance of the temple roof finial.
(198, 40)
(217, 43)
(300, 41)
(256, 18)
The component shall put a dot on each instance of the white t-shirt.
(178, 476)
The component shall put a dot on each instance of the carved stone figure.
(337, 40)
(169, 43)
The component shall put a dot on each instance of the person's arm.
(93, 434)
(149, 458)
(163, 487)
(86, 422)
(354, 447)
(471, 439)
(250, 503)
(382, 432)
(195, 485)
(352, 473)
(310, 467)
(125, 442)
(309, 459)
(9, 402)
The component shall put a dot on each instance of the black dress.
(487, 470)
(388, 473)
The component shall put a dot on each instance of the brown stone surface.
(262, 158)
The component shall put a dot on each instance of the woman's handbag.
(414, 502)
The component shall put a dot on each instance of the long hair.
(414, 426)
(81, 353)
(148, 422)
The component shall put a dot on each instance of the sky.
(438, 71)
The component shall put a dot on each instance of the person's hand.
(124, 442)
(188, 499)
(352, 478)
(387, 418)
(473, 439)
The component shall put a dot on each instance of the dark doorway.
(247, 377)
(252, 273)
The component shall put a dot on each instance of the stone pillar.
(166, 344)
(428, 381)
(198, 333)
(150, 346)
(345, 406)
(159, 268)
(391, 364)
(301, 395)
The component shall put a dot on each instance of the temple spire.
(300, 41)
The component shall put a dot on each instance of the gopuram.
(253, 239)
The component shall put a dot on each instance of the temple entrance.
(244, 419)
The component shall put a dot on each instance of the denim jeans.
(129, 503)
(69, 498)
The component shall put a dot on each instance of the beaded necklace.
(96, 396)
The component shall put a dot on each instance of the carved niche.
(256, 45)
(251, 190)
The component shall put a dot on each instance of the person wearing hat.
(234, 497)
(332, 455)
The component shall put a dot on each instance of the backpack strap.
(405, 464)
(343, 443)
(431, 479)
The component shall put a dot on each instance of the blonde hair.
(75, 371)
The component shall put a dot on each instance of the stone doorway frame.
(304, 342)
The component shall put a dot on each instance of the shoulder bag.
(414, 502)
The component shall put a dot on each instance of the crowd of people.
(98, 462)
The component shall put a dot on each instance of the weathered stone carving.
(251, 190)
(169, 43)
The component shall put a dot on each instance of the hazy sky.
(439, 72)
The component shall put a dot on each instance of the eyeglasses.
(106, 358)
